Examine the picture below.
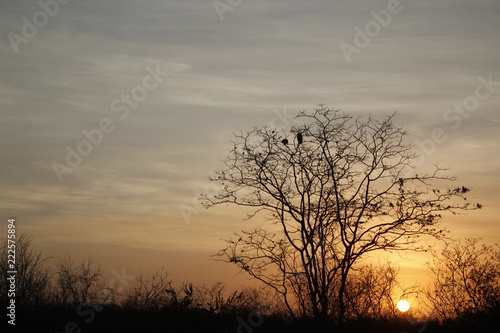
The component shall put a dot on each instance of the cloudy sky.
(160, 86)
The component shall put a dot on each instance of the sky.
(115, 113)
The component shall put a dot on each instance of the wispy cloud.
(224, 76)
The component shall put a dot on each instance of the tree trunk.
(342, 307)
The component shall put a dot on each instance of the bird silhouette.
(299, 138)
(284, 141)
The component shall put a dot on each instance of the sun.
(403, 306)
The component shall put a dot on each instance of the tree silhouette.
(33, 276)
(466, 280)
(343, 190)
(370, 291)
(79, 283)
(152, 292)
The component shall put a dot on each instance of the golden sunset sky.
(160, 86)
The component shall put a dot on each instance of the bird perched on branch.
(299, 138)
(284, 141)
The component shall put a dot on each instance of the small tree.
(79, 283)
(335, 188)
(216, 299)
(466, 280)
(370, 290)
(33, 276)
(151, 292)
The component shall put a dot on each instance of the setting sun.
(403, 306)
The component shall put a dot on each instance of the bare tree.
(216, 299)
(33, 276)
(467, 280)
(152, 292)
(79, 283)
(372, 291)
(334, 188)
